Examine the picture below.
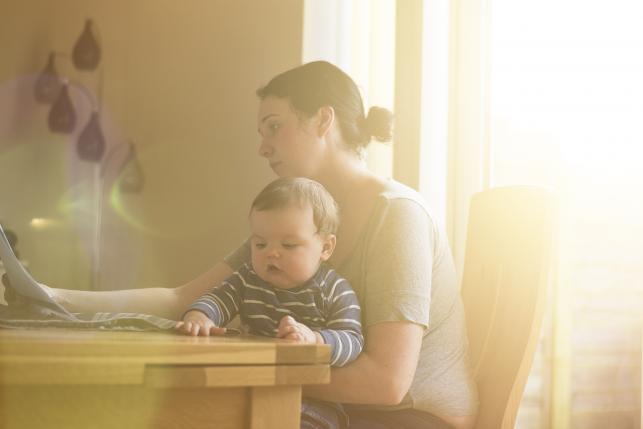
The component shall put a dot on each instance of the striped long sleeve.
(343, 331)
(326, 304)
(222, 302)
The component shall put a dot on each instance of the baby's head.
(293, 222)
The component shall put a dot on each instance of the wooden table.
(94, 379)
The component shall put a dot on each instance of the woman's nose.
(265, 149)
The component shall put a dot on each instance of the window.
(359, 37)
(513, 92)
(565, 102)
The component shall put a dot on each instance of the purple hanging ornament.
(86, 53)
(131, 179)
(48, 83)
(91, 143)
(62, 117)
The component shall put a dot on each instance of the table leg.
(275, 407)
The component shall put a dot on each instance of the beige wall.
(179, 80)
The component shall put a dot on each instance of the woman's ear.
(328, 247)
(326, 118)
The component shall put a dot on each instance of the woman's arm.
(382, 374)
(395, 299)
(164, 302)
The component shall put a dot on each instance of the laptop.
(21, 280)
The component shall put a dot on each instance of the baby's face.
(286, 248)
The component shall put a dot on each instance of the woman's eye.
(289, 245)
(260, 245)
(273, 128)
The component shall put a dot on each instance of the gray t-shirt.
(402, 270)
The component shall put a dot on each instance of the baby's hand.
(196, 323)
(290, 329)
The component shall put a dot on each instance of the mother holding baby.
(413, 372)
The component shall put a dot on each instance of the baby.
(287, 291)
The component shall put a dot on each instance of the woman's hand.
(290, 329)
(197, 323)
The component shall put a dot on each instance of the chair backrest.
(509, 262)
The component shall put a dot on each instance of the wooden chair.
(509, 263)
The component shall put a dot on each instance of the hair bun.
(379, 124)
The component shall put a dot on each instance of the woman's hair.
(286, 191)
(319, 83)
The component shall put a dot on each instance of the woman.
(413, 372)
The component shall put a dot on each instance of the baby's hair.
(285, 191)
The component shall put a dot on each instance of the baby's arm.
(290, 329)
(208, 314)
(197, 323)
(343, 327)
(343, 330)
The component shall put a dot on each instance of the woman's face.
(288, 142)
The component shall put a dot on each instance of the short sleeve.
(239, 256)
(399, 259)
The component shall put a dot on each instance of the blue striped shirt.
(326, 303)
